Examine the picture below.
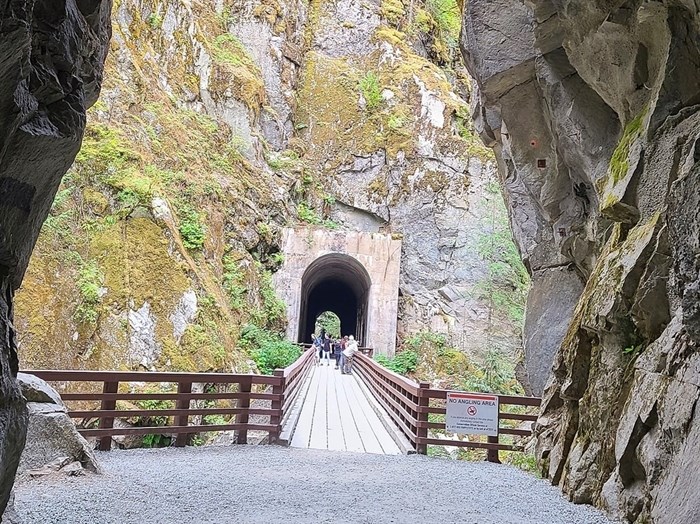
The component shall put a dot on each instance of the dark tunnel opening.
(336, 283)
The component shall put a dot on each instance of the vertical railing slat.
(276, 418)
(422, 432)
(107, 422)
(242, 418)
(183, 388)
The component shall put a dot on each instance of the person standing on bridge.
(316, 347)
(327, 349)
(348, 354)
(337, 351)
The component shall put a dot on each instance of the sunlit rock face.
(592, 110)
(51, 59)
(219, 124)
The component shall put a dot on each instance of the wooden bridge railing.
(409, 405)
(277, 393)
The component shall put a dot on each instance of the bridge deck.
(336, 415)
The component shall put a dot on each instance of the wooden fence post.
(276, 417)
(108, 422)
(182, 439)
(423, 402)
(246, 385)
(492, 454)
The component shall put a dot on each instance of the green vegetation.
(310, 216)
(494, 374)
(273, 311)
(448, 19)
(307, 214)
(155, 21)
(397, 121)
(393, 11)
(427, 355)
(191, 227)
(403, 363)
(202, 341)
(371, 90)
(419, 340)
(153, 404)
(234, 283)
(156, 441)
(215, 420)
(522, 460)
(283, 160)
(465, 129)
(507, 282)
(330, 322)
(242, 75)
(268, 350)
(228, 48)
(90, 280)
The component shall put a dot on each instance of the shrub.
(403, 363)
(89, 282)
(191, 228)
(274, 311)
(371, 90)
(307, 214)
(233, 283)
(269, 350)
(448, 19)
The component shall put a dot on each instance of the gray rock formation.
(51, 56)
(36, 390)
(53, 443)
(592, 110)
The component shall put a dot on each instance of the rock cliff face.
(50, 72)
(220, 123)
(592, 110)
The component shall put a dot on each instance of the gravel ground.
(270, 484)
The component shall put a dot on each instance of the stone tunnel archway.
(351, 273)
(339, 283)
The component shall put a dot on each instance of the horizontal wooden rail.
(128, 413)
(410, 404)
(275, 395)
(172, 429)
(170, 396)
(151, 376)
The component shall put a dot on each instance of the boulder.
(36, 390)
(53, 441)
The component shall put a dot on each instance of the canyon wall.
(50, 73)
(592, 111)
(223, 122)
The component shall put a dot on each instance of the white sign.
(472, 414)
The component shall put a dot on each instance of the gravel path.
(270, 484)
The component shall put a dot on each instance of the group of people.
(342, 349)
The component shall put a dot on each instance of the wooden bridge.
(373, 410)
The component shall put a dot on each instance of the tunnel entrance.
(336, 283)
(328, 322)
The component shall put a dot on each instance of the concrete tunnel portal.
(338, 283)
(353, 274)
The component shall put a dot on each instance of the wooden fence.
(277, 393)
(409, 405)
